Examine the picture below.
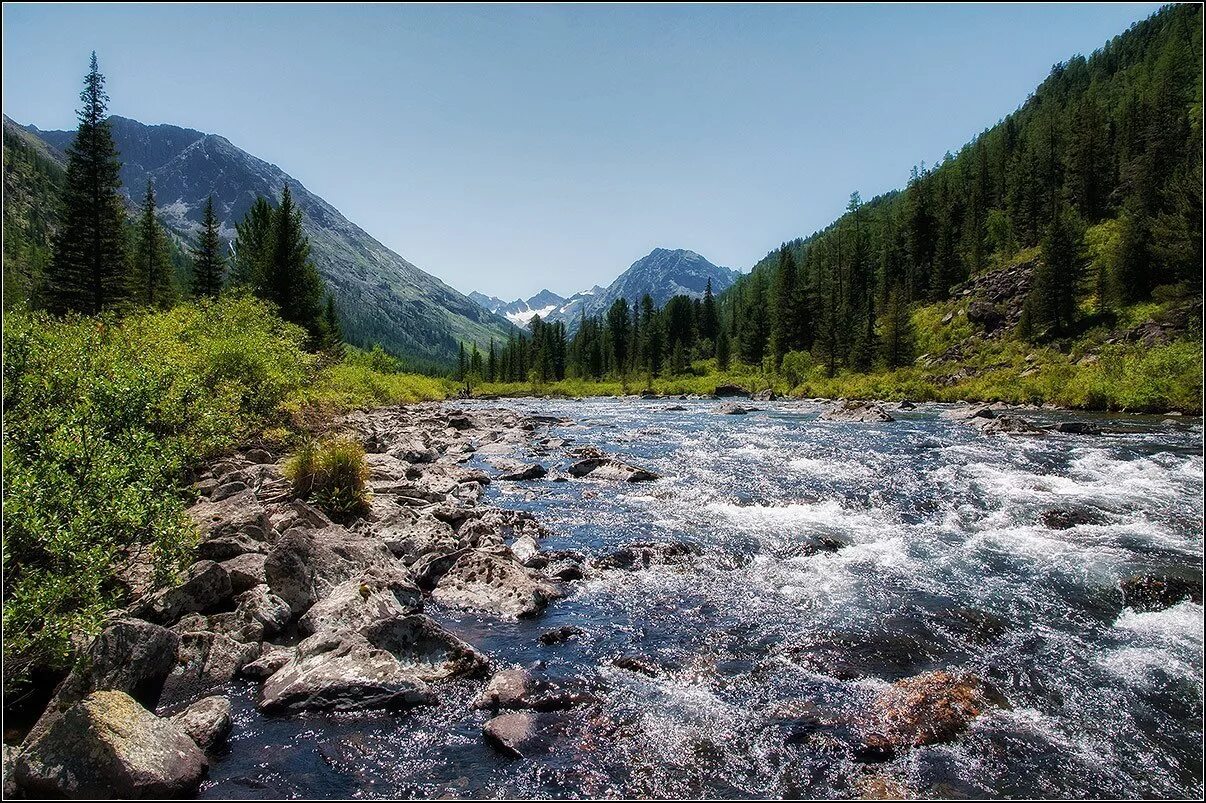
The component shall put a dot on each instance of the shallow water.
(947, 565)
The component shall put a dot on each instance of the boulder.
(517, 689)
(1007, 425)
(205, 660)
(525, 733)
(730, 408)
(246, 571)
(494, 582)
(559, 634)
(238, 514)
(378, 593)
(906, 405)
(305, 565)
(261, 606)
(723, 391)
(856, 411)
(205, 586)
(930, 708)
(108, 746)
(1154, 592)
(765, 395)
(643, 554)
(1076, 428)
(270, 661)
(533, 471)
(129, 655)
(609, 468)
(1065, 518)
(637, 663)
(207, 721)
(385, 666)
(411, 535)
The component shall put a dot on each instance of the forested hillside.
(33, 178)
(1093, 187)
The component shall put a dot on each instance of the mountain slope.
(381, 297)
(33, 177)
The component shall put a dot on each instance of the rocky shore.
(333, 616)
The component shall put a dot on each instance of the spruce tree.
(709, 322)
(209, 265)
(1051, 302)
(253, 246)
(290, 279)
(88, 271)
(331, 339)
(783, 313)
(152, 276)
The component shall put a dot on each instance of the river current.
(943, 560)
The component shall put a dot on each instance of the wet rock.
(675, 408)
(259, 456)
(560, 634)
(906, 405)
(205, 586)
(1076, 428)
(1065, 518)
(385, 666)
(261, 606)
(533, 471)
(129, 655)
(411, 535)
(205, 660)
(377, 594)
(525, 734)
(305, 565)
(637, 663)
(723, 391)
(494, 582)
(643, 554)
(765, 395)
(108, 746)
(246, 571)
(517, 689)
(1007, 425)
(609, 468)
(930, 708)
(207, 721)
(856, 411)
(1155, 592)
(966, 412)
(733, 409)
(817, 544)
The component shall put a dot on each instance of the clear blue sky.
(510, 148)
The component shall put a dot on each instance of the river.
(942, 561)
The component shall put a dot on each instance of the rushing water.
(947, 564)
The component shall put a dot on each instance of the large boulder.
(387, 665)
(609, 468)
(516, 689)
(240, 514)
(204, 587)
(494, 582)
(930, 708)
(207, 721)
(204, 661)
(411, 535)
(858, 412)
(246, 571)
(643, 554)
(129, 655)
(1154, 592)
(305, 565)
(723, 391)
(108, 746)
(523, 734)
(376, 594)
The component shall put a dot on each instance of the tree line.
(98, 261)
(1110, 145)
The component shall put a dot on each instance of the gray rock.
(1007, 425)
(10, 766)
(643, 554)
(269, 662)
(857, 412)
(608, 468)
(494, 582)
(260, 605)
(108, 746)
(533, 471)
(246, 571)
(560, 634)
(733, 409)
(305, 565)
(235, 514)
(204, 587)
(523, 734)
(129, 655)
(353, 604)
(207, 721)
(205, 660)
(517, 689)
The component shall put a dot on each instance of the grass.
(333, 473)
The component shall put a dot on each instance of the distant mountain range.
(381, 297)
(662, 274)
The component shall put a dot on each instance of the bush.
(102, 417)
(333, 473)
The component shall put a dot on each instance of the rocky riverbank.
(336, 616)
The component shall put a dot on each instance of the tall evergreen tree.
(1051, 303)
(152, 276)
(709, 321)
(88, 271)
(785, 307)
(209, 266)
(253, 246)
(290, 279)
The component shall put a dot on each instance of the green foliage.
(333, 473)
(151, 267)
(209, 266)
(102, 417)
(32, 184)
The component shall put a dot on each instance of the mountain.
(381, 297)
(662, 274)
(33, 178)
(547, 304)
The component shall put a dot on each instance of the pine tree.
(331, 339)
(783, 325)
(617, 325)
(1051, 303)
(152, 269)
(88, 271)
(253, 246)
(209, 266)
(462, 364)
(896, 341)
(724, 350)
(709, 322)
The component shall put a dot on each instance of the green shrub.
(333, 473)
